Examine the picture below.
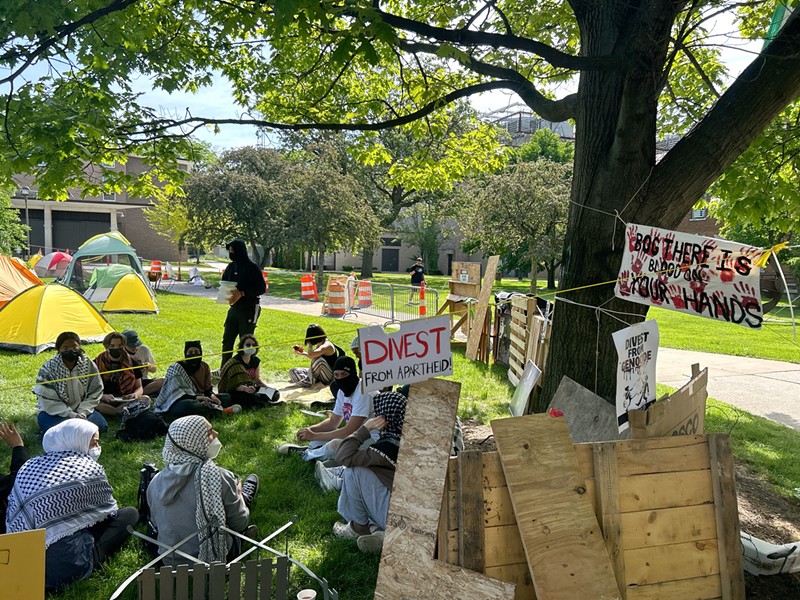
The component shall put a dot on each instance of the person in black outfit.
(243, 313)
(19, 456)
(417, 278)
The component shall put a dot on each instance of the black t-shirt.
(417, 273)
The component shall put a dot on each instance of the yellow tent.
(130, 294)
(34, 259)
(32, 320)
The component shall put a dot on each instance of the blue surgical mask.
(249, 350)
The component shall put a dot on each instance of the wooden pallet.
(667, 507)
(530, 338)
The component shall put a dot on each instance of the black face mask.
(71, 355)
(348, 384)
(115, 352)
(191, 364)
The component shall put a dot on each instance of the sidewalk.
(767, 388)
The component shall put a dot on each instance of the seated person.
(122, 384)
(369, 473)
(322, 353)
(181, 394)
(192, 493)
(19, 455)
(83, 525)
(356, 350)
(68, 386)
(141, 353)
(241, 378)
(352, 408)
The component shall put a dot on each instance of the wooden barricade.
(530, 338)
(264, 579)
(682, 413)
(667, 508)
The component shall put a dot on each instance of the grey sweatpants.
(364, 499)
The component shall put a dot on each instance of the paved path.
(768, 388)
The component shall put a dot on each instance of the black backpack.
(145, 426)
(146, 474)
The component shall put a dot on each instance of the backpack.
(145, 425)
(146, 474)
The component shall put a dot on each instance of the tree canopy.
(643, 66)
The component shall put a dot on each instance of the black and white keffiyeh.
(392, 407)
(177, 384)
(186, 448)
(63, 491)
(51, 384)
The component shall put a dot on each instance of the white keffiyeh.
(185, 451)
(51, 381)
(63, 491)
(177, 384)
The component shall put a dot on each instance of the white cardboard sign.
(419, 351)
(637, 348)
(692, 274)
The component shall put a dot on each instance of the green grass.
(249, 439)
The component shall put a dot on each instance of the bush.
(794, 266)
(348, 268)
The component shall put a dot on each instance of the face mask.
(191, 364)
(94, 453)
(71, 355)
(249, 350)
(230, 255)
(115, 352)
(213, 449)
(348, 384)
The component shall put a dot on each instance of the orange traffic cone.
(423, 311)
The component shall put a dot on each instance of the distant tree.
(426, 225)
(545, 144)
(13, 234)
(523, 207)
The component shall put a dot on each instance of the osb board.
(563, 542)
(668, 515)
(473, 271)
(482, 311)
(682, 413)
(407, 569)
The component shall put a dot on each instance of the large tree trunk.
(366, 264)
(615, 171)
(551, 267)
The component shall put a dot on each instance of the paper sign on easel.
(637, 348)
(419, 351)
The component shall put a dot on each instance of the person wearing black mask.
(68, 386)
(352, 408)
(122, 380)
(180, 395)
(244, 300)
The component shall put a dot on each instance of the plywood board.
(682, 413)
(473, 341)
(407, 569)
(559, 530)
(589, 417)
(472, 270)
(22, 565)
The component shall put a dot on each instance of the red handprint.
(748, 293)
(676, 295)
(700, 278)
(624, 283)
(633, 230)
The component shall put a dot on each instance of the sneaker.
(372, 543)
(292, 449)
(323, 405)
(233, 409)
(250, 489)
(329, 480)
(344, 531)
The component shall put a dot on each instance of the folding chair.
(168, 278)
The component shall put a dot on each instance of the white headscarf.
(72, 435)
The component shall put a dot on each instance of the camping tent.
(34, 259)
(103, 250)
(107, 277)
(14, 279)
(53, 265)
(32, 320)
(130, 294)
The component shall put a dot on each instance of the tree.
(522, 209)
(366, 65)
(13, 234)
(426, 225)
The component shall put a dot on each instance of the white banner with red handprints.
(637, 350)
(692, 274)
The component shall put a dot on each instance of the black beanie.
(345, 363)
(193, 344)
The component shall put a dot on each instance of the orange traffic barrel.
(364, 294)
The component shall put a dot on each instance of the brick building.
(66, 225)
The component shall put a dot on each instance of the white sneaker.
(372, 543)
(292, 449)
(344, 531)
(329, 479)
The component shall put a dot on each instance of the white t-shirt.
(357, 405)
(144, 356)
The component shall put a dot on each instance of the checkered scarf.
(185, 448)
(177, 384)
(54, 369)
(63, 491)
(392, 407)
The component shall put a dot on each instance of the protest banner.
(692, 274)
(637, 347)
(419, 351)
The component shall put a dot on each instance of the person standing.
(417, 278)
(244, 300)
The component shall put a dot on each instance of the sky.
(215, 101)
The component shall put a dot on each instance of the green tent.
(107, 277)
(101, 251)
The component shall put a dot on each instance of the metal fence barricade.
(395, 303)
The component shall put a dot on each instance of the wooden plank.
(165, 583)
(182, 581)
(235, 581)
(474, 337)
(668, 526)
(251, 580)
(682, 413)
(562, 539)
(606, 506)
(473, 271)
(470, 527)
(147, 584)
(407, 570)
(199, 575)
(665, 490)
(662, 455)
(282, 577)
(517, 574)
(503, 546)
(671, 563)
(497, 507)
(216, 582)
(266, 578)
(698, 588)
(726, 516)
